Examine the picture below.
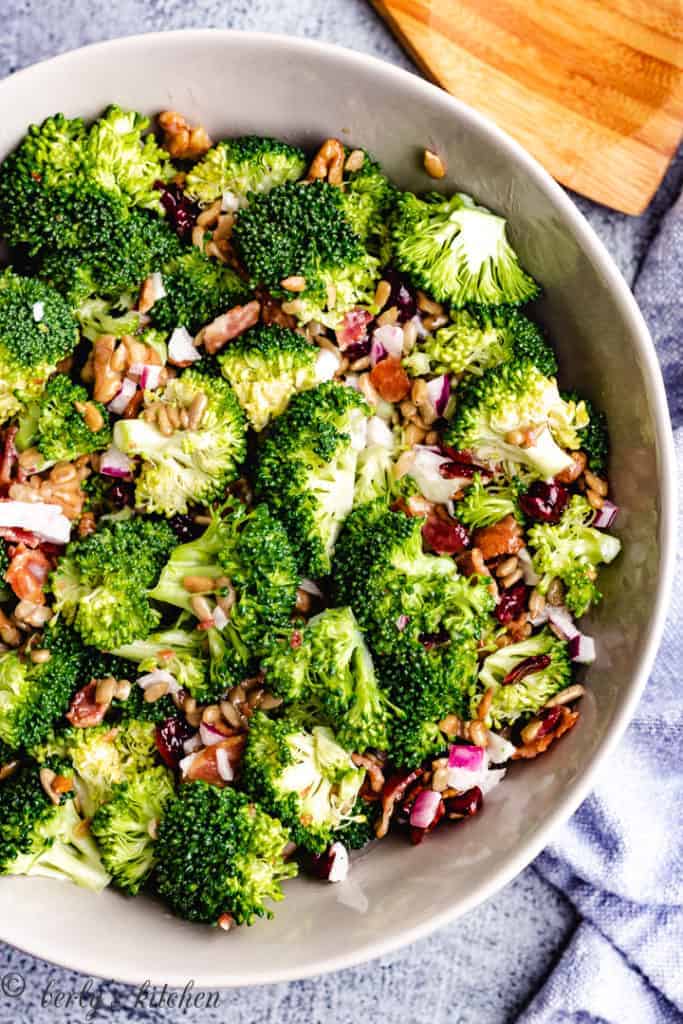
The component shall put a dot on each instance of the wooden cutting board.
(593, 88)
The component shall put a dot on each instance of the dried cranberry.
(402, 295)
(122, 493)
(512, 603)
(465, 804)
(445, 536)
(544, 501)
(185, 527)
(169, 737)
(525, 668)
(358, 350)
(431, 640)
(180, 210)
(549, 719)
(464, 463)
(453, 470)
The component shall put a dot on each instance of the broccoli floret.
(397, 592)
(124, 827)
(122, 160)
(306, 779)
(334, 291)
(101, 582)
(551, 672)
(593, 438)
(479, 338)
(294, 230)
(487, 502)
(499, 413)
(38, 837)
(97, 316)
(183, 653)
(36, 331)
(101, 757)
(53, 152)
(375, 475)
(191, 465)
(33, 696)
(55, 426)
(306, 469)
(243, 165)
(265, 367)
(217, 854)
(333, 668)
(197, 290)
(457, 251)
(572, 549)
(250, 560)
(367, 200)
(359, 830)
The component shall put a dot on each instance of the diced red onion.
(150, 376)
(181, 347)
(439, 391)
(123, 396)
(333, 864)
(531, 577)
(159, 675)
(390, 337)
(220, 619)
(186, 763)
(562, 621)
(499, 750)
(424, 465)
(463, 755)
(424, 810)
(422, 331)
(45, 520)
(311, 587)
(223, 765)
(209, 734)
(605, 516)
(377, 353)
(582, 649)
(115, 463)
(192, 744)
(401, 622)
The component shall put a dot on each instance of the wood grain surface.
(593, 88)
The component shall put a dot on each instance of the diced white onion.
(379, 432)
(159, 675)
(123, 396)
(47, 521)
(326, 365)
(225, 769)
(181, 347)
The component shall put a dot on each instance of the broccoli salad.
(296, 521)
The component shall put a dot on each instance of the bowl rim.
(645, 349)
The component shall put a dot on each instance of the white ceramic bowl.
(235, 83)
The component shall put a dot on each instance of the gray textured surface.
(482, 969)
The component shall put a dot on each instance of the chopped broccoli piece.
(487, 502)
(244, 165)
(101, 582)
(40, 838)
(36, 331)
(124, 161)
(517, 399)
(97, 316)
(101, 757)
(306, 469)
(125, 825)
(183, 653)
(55, 426)
(593, 438)
(294, 230)
(334, 291)
(572, 549)
(333, 668)
(250, 558)
(265, 367)
(528, 695)
(33, 696)
(306, 779)
(479, 338)
(217, 854)
(197, 290)
(375, 475)
(457, 251)
(190, 465)
(367, 201)
(359, 830)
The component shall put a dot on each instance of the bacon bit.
(568, 720)
(27, 573)
(354, 328)
(226, 922)
(9, 455)
(84, 711)
(296, 639)
(416, 505)
(394, 789)
(525, 668)
(230, 325)
(273, 313)
(390, 380)
(445, 536)
(205, 765)
(471, 563)
(573, 472)
(503, 538)
(374, 770)
(16, 535)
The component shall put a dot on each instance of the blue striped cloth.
(620, 858)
